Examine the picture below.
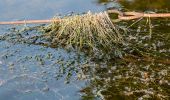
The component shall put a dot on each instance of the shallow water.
(22, 75)
(36, 72)
(43, 9)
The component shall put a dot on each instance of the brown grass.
(92, 31)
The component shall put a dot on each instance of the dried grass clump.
(92, 31)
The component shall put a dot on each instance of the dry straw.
(92, 31)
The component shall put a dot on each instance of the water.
(36, 72)
(26, 72)
(44, 9)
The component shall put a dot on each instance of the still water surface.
(34, 72)
(43, 9)
(21, 76)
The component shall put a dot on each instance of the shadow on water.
(138, 5)
(148, 5)
(33, 68)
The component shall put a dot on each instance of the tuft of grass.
(88, 31)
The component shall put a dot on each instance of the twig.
(30, 21)
(121, 16)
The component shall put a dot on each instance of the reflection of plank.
(135, 15)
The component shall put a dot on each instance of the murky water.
(36, 72)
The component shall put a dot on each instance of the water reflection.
(142, 5)
(148, 5)
(142, 72)
(43, 9)
(37, 73)
(32, 71)
(29, 71)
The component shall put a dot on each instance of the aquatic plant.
(87, 31)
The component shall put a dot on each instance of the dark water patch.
(146, 5)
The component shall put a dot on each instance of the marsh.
(79, 59)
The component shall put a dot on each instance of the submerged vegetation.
(142, 73)
(90, 31)
(118, 64)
